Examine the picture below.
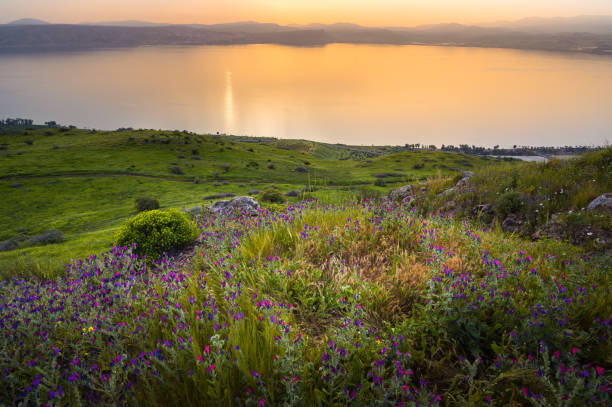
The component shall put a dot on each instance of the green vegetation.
(157, 232)
(354, 304)
(507, 203)
(84, 182)
(550, 197)
(146, 203)
(271, 195)
(324, 298)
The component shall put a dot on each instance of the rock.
(245, 205)
(48, 237)
(253, 192)
(552, 230)
(485, 210)
(196, 210)
(463, 182)
(423, 190)
(8, 245)
(402, 193)
(448, 206)
(447, 191)
(514, 224)
(602, 202)
(467, 174)
(292, 193)
(17, 185)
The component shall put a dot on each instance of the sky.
(365, 12)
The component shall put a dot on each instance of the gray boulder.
(462, 184)
(244, 205)
(602, 202)
(292, 193)
(399, 194)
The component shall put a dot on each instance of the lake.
(353, 94)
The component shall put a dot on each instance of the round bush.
(146, 203)
(156, 232)
(509, 202)
(271, 195)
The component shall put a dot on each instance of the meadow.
(84, 182)
(333, 297)
(364, 303)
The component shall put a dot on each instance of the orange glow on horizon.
(364, 12)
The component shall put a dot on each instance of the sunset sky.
(366, 12)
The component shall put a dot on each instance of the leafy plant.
(155, 232)
(271, 195)
(146, 203)
(509, 202)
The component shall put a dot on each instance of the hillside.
(350, 291)
(535, 200)
(83, 183)
(353, 304)
(70, 37)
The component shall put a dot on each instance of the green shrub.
(380, 182)
(146, 203)
(418, 166)
(271, 195)
(509, 202)
(175, 169)
(156, 232)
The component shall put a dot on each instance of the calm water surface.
(356, 94)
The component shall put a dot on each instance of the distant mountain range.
(592, 34)
(28, 21)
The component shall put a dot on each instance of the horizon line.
(306, 24)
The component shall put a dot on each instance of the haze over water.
(353, 94)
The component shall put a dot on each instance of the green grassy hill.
(83, 183)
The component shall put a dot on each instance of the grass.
(363, 303)
(538, 192)
(84, 183)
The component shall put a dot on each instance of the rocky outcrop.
(554, 229)
(402, 193)
(465, 180)
(243, 205)
(602, 202)
(461, 185)
(580, 235)
(515, 223)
